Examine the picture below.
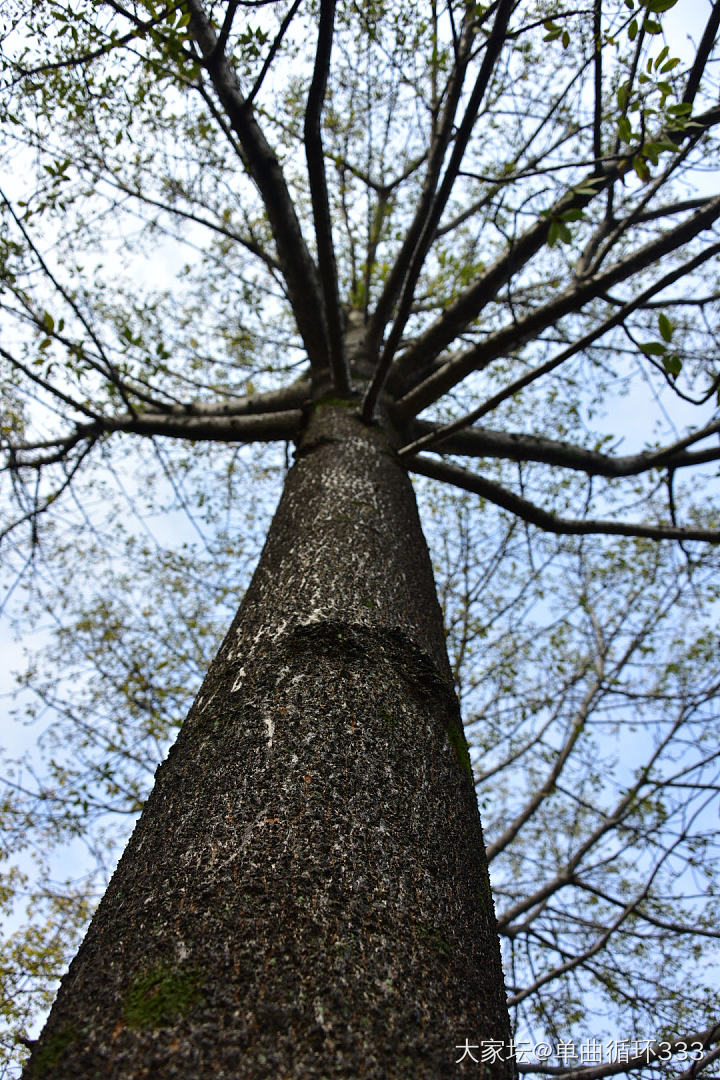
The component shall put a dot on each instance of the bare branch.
(297, 265)
(493, 48)
(535, 515)
(520, 446)
(703, 54)
(320, 201)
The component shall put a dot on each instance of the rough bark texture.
(306, 894)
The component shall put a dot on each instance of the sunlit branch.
(41, 506)
(40, 381)
(614, 229)
(438, 147)
(559, 762)
(226, 27)
(434, 436)
(106, 368)
(141, 29)
(654, 920)
(282, 425)
(576, 961)
(597, 80)
(222, 230)
(272, 52)
(531, 168)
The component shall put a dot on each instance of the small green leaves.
(251, 41)
(554, 32)
(671, 362)
(589, 187)
(660, 57)
(574, 214)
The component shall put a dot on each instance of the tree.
(394, 213)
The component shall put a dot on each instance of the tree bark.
(306, 892)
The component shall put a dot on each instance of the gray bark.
(306, 893)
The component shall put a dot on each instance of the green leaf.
(640, 166)
(665, 327)
(653, 348)
(624, 129)
(672, 364)
(48, 322)
(652, 27)
(661, 56)
(571, 215)
(633, 29)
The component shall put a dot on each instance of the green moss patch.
(157, 997)
(459, 744)
(47, 1055)
(329, 401)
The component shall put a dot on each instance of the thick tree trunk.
(306, 893)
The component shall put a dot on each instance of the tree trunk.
(306, 893)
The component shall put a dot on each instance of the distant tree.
(363, 230)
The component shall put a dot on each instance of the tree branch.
(261, 427)
(320, 201)
(469, 305)
(519, 446)
(571, 300)
(297, 265)
(493, 48)
(543, 519)
(703, 54)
